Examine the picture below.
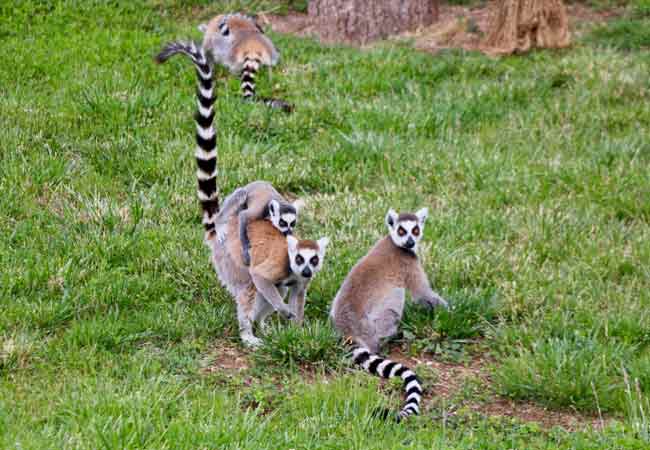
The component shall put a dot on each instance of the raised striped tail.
(206, 140)
(386, 368)
(248, 74)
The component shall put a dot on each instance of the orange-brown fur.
(251, 46)
(251, 42)
(269, 251)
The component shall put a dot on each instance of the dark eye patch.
(416, 231)
(401, 231)
(283, 223)
(314, 261)
(300, 260)
(292, 224)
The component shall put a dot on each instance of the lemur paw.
(286, 313)
(442, 303)
(251, 341)
(433, 302)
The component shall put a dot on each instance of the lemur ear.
(292, 243)
(299, 204)
(391, 218)
(203, 27)
(422, 215)
(274, 208)
(322, 244)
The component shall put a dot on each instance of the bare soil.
(227, 358)
(231, 360)
(450, 380)
(458, 26)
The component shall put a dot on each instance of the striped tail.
(248, 74)
(386, 368)
(206, 140)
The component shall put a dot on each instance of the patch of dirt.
(229, 359)
(292, 23)
(457, 26)
(226, 357)
(451, 377)
(530, 412)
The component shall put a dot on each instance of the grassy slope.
(535, 170)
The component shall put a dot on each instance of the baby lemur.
(239, 43)
(368, 307)
(261, 199)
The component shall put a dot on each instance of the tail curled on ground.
(248, 74)
(386, 368)
(206, 140)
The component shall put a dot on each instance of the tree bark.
(518, 26)
(362, 21)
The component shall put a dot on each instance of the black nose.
(306, 272)
(410, 243)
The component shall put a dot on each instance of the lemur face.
(306, 257)
(221, 33)
(406, 229)
(283, 217)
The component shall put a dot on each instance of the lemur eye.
(401, 231)
(292, 224)
(283, 223)
(300, 260)
(416, 231)
(314, 261)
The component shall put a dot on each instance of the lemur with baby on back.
(280, 261)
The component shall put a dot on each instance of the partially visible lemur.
(278, 263)
(368, 307)
(262, 200)
(239, 43)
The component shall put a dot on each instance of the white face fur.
(283, 221)
(406, 233)
(306, 262)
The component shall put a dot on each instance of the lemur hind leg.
(388, 316)
(233, 204)
(244, 217)
(245, 306)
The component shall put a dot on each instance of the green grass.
(535, 170)
(630, 31)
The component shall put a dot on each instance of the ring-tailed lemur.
(239, 43)
(262, 200)
(368, 307)
(278, 263)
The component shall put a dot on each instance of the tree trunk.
(362, 21)
(518, 26)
